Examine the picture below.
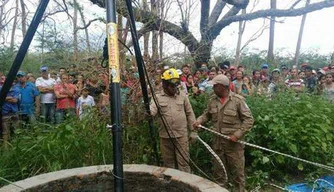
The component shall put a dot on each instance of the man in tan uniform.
(231, 116)
(176, 109)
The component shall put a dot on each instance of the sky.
(318, 33)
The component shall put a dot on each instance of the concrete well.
(137, 178)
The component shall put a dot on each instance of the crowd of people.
(261, 81)
(52, 97)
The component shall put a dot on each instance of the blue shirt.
(27, 97)
(10, 108)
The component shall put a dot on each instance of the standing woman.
(328, 89)
(238, 82)
(247, 87)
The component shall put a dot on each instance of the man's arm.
(191, 119)
(246, 118)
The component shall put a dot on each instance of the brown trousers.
(232, 156)
(9, 123)
(171, 157)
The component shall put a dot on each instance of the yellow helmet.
(170, 74)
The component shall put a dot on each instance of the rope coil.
(272, 151)
(214, 155)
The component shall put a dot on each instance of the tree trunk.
(271, 34)
(242, 25)
(12, 39)
(146, 36)
(86, 28)
(161, 33)
(155, 34)
(75, 31)
(24, 18)
(300, 36)
(203, 53)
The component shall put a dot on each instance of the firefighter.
(230, 116)
(178, 113)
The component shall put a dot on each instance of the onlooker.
(274, 86)
(84, 104)
(238, 82)
(310, 80)
(285, 71)
(9, 113)
(45, 86)
(328, 90)
(65, 96)
(294, 82)
(205, 86)
(62, 70)
(185, 72)
(256, 77)
(264, 71)
(321, 84)
(28, 99)
(247, 87)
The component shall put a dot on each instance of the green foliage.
(300, 126)
(42, 148)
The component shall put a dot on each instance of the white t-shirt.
(46, 97)
(84, 104)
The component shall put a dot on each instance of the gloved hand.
(233, 138)
(193, 137)
(196, 126)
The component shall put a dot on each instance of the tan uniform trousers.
(168, 153)
(232, 156)
(9, 123)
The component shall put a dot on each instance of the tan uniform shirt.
(177, 111)
(231, 117)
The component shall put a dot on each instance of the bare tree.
(80, 9)
(23, 18)
(155, 34)
(12, 39)
(211, 24)
(242, 25)
(75, 31)
(161, 34)
(271, 33)
(3, 17)
(300, 36)
(146, 35)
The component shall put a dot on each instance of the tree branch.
(89, 23)
(217, 10)
(205, 9)
(241, 4)
(215, 30)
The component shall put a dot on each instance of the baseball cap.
(232, 68)
(220, 79)
(308, 68)
(21, 73)
(284, 66)
(264, 65)
(276, 70)
(179, 71)
(43, 68)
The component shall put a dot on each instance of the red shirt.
(65, 89)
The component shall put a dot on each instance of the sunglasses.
(174, 82)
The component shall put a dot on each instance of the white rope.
(214, 154)
(323, 180)
(272, 151)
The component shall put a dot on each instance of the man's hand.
(196, 125)
(233, 138)
(193, 137)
